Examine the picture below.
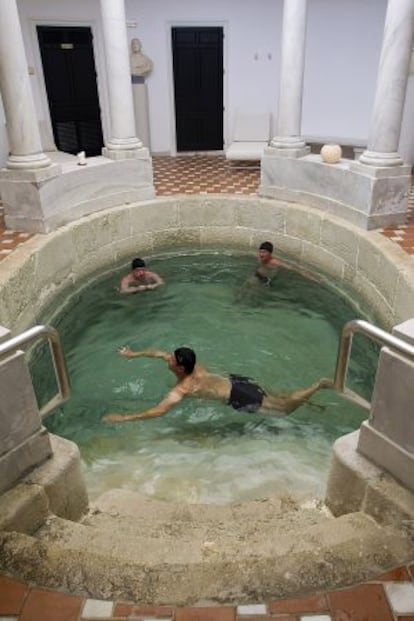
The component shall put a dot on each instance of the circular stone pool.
(284, 336)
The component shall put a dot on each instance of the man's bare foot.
(324, 382)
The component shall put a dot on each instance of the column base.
(287, 147)
(373, 158)
(357, 484)
(124, 149)
(141, 153)
(28, 162)
(36, 203)
(366, 196)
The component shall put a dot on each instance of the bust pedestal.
(140, 95)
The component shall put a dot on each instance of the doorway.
(70, 77)
(198, 87)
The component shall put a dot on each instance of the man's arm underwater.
(162, 408)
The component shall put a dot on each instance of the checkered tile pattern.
(203, 174)
(388, 598)
(9, 240)
(403, 234)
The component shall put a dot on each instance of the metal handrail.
(344, 352)
(59, 363)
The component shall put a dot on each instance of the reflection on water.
(285, 336)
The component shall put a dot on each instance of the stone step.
(254, 520)
(105, 563)
(132, 548)
(133, 527)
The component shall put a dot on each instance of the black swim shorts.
(245, 394)
(266, 280)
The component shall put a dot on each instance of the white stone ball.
(331, 153)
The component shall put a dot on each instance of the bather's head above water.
(185, 358)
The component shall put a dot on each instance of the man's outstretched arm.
(162, 408)
(127, 352)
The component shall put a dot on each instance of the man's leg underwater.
(288, 402)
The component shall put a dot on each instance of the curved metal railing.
(59, 363)
(344, 353)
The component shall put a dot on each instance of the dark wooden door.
(198, 87)
(70, 76)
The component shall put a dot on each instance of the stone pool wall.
(363, 264)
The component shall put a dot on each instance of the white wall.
(342, 51)
(251, 54)
(344, 40)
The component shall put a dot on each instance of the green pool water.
(284, 336)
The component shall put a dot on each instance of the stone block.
(261, 214)
(304, 224)
(21, 459)
(368, 198)
(229, 236)
(150, 216)
(23, 509)
(341, 241)
(19, 414)
(387, 454)
(61, 478)
(393, 397)
(42, 206)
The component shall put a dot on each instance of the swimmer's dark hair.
(137, 263)
(268, 246)
(186, 358)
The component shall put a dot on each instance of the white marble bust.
(141, 65)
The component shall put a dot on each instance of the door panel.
(198, 87)
(70, 76)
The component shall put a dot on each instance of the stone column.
(288, 140)
(123, 143)
(391, 86)
(22, 128)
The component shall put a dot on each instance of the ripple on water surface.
(284, 336)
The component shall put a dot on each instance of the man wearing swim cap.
(139, 278)
(267, 263)
(194, 380)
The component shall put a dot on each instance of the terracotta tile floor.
(389, 598)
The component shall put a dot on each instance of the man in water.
(194, 380)
(140, 279)
(267, 263)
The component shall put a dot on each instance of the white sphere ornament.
(331, 153)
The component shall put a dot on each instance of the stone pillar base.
(287, 151)
(54, 487)
(41, 205)
(141, 153)
(356, 484)
(364, 195)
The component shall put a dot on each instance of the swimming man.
(139, 278)
(193, 380)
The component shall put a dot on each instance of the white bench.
(251, 136)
